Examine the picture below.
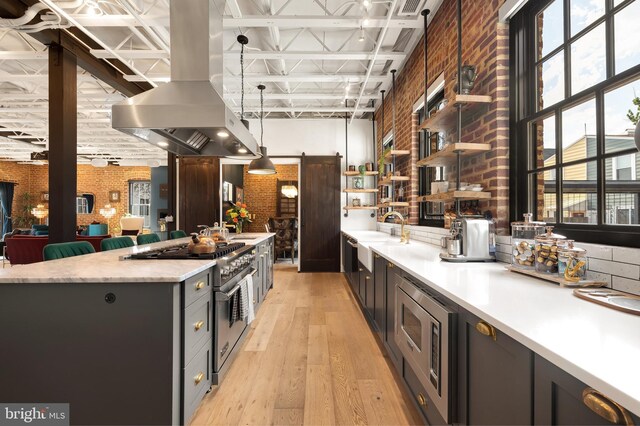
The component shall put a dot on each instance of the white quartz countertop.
(597, 345)
(108, 267)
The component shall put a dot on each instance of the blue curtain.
(6, 202)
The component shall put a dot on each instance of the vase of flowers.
(238, 215)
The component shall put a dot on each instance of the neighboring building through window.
(574, 160)
(140, 200)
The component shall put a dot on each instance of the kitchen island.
(583, 344)
(122, 341)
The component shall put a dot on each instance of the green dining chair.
(62, 250)
(178, 233)
(115, 243)
(147, 239)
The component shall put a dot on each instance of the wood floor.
(311, 359)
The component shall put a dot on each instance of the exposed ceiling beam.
(260, 55)
(292, 78)
(303, 109)
(292, 96)
(256, 21)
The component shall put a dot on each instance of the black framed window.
(575, 71)
(431, 214)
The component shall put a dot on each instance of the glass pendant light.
(263, 165)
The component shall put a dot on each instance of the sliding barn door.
(320, 215)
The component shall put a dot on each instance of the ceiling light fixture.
(263, 165)
(99, 162)
(163, 144)
(366, 4)
(361, 38)
(243, 150)
(223, 134)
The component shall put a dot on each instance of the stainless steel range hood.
(188, 115)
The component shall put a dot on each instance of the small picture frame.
(44, 196)
(114, 196)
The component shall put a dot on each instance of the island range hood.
(188, 116)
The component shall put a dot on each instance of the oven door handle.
(352, 245)
(255, 271)
(223, 297)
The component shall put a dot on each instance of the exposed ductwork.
(188, 116)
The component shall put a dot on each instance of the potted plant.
(23, 218)
(238, 215)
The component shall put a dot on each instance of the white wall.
(325, 137)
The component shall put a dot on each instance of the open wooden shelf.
(356, 173)
(446, 117)
(361, 208)
(448, 154)
(360, 191)
(390, 180)
(393, 204)
(395, 152)
(449, 196)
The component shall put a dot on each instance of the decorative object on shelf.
(108, 212)
(352, 168)
(362, 169)
(442, 104)
(546, 251)
(262, 165)
(369, 167)
(358, 182)
(237, 216)
(523, 241)
(40, 212)
(439, 187)
(468, 79)
(44, 196)
(114, 196)
(355, 202)
(572, 263)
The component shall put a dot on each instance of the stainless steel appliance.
(472, 239)
(425, 334)
(188, 116)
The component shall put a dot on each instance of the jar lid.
(527, 223)
(550, 237)
(570, 249)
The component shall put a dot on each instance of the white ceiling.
(308, 53)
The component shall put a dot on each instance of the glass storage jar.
(572, 263)
(546, 251)
(523, 241)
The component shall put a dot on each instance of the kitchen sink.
(365, 254)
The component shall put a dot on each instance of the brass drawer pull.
(391, 265)
(367, 277)
(606, 408)
(200, 285)
(198, 325)
(487, 329)
(422, 400)
(376, 255)
(198, 378)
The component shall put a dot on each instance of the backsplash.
(618, 266)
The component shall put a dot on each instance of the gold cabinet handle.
(367, 277)
(604, 407)
(359, 269)
(391, 265)
(200, 285)
(487, 329)
(422, 400)
(198, 378)
(198, 325)
(376, 255)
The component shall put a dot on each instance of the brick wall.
(485, 45)
(19, 173)
(95, 180)
(260, 194)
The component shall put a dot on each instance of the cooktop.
(182, 252)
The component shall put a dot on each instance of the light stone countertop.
(109, 267)
(597, 345)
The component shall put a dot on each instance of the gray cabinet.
(561, 399)
(379, 293)
(369, 294)
(393, 278)
(362, 287)
(495, 375)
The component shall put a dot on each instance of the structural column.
(63, 105)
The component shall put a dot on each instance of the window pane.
(544, 184)
(588, 60)
(623, 189)
(579, 132)
(579, 193)
(550, 27)
(551, 81)
(584, 12)
(544, 137)
(619, 128)
(627, 37)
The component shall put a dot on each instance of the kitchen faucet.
(404, 236)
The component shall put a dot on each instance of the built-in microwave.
(423, 332)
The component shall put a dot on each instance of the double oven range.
(233, 264)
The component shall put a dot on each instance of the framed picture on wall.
(44, 196)
(239, 195)
(114, 196)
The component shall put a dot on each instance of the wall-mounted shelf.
(356, 173)
(445, 119)
(390, 180)
(446, 197)
(449, 154)
(360, 208)
(388, 158)
(360, 191)
(393, 204)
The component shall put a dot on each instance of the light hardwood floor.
(310, 358)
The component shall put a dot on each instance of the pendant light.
(263, 165)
